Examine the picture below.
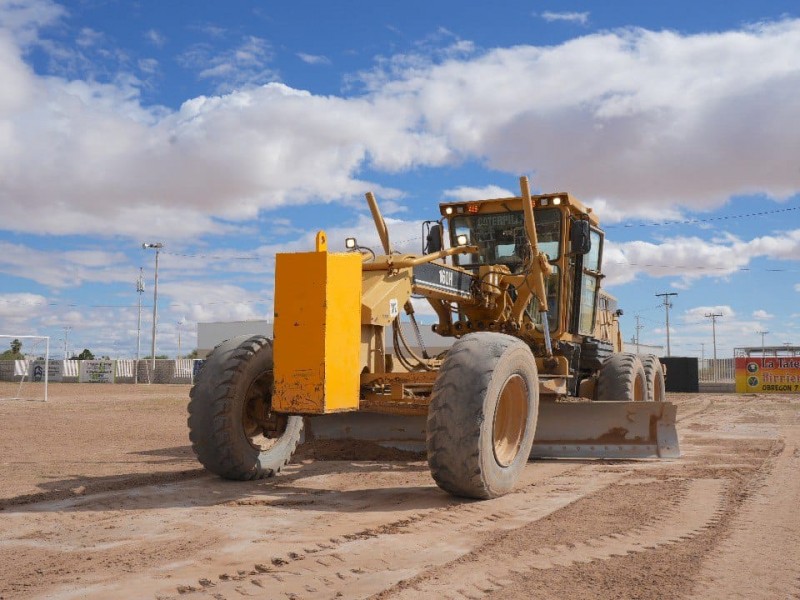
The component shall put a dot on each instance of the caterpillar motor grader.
(536, 368)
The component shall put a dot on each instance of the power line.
(700, 268)
(706, 220)
(215, 257)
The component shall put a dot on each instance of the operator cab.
(567, 233)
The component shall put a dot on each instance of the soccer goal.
(25, 378)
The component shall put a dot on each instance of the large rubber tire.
(654, 376)
(482, 415)
(235, 384)
(622, 379)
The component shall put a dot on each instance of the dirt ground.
(100, 497)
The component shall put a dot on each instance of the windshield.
(501, 238)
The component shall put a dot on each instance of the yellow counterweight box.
(317, 331)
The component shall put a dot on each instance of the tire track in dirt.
(484, 571)
(691, 408)
(760, 558)
(109, 484)
(369, 561)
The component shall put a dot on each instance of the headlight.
(350, 243)
(461, 240)
(448, 210)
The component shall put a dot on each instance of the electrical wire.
(706, 220)
(213, 256)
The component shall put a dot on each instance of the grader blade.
(564, 430)
(606, 430)
(405, 432)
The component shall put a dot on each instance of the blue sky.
(230, 131)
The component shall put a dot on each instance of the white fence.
(102, 371)
(722, 369)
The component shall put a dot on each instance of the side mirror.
(433, 242)
(579, 240)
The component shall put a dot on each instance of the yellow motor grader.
(535, 368)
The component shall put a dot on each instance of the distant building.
(210, 335)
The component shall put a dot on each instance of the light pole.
(157, 247)
(180, 324)
(763, 354)
(139, 292)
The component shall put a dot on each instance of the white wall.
(211, 334)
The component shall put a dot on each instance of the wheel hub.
(262, 427)
(510, 420)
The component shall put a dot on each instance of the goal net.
(25, 367)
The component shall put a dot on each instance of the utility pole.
(139, 292)
(638, 329)
(157, 247)
(67, 329)
(713, 317)
(667, 306)
(702, 358)
(763, 354)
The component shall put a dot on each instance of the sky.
(232, 131)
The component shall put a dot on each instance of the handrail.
(404, 261)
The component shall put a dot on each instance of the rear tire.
(232, 429)
(482, 415)
(622, 379)
(654, 376)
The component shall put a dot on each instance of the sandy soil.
(100, 497)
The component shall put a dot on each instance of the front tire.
(233, 431)
(482, 415)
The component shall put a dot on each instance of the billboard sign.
(768, 375)
(55, 370)
(97, 371)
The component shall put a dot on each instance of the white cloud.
(313, 59)
(63, 269)
(18, 308)
(24, 18)
(155, 37)
(88, 37)
(244, 65)
(762, 315)
(698, 313)
(582, 18)
(199, 301)
(690, 258)
(695, 333)
(640, 122)
(148, 65)
(465, 193)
